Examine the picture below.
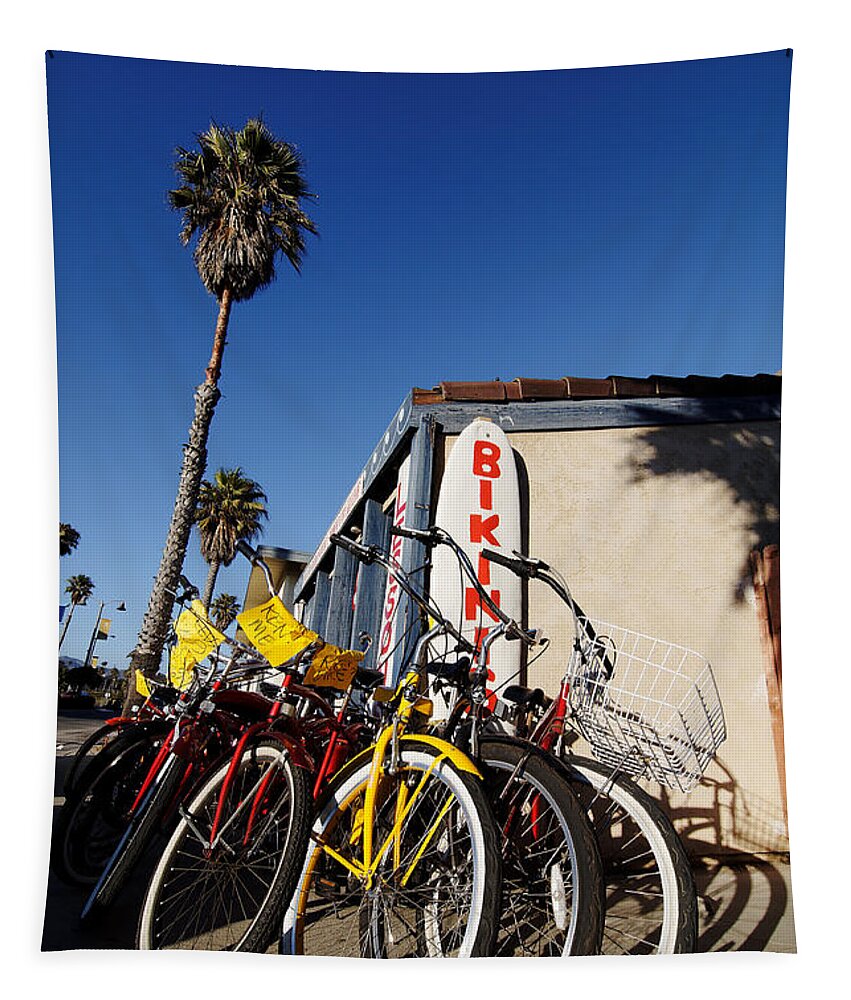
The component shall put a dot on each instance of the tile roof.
(613, 387)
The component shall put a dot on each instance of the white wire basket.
(658, 714)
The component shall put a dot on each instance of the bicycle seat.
(164, 696)
(526, 697)
(450, 670)
(366, 679)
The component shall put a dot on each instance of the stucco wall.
(652, 528)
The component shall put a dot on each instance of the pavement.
(745, 904)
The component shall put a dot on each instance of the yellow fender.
(458, 757)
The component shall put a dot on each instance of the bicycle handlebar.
(537, 569)
(244, 549)
(431, 537)
(190, 591)
(521, 565)
(428, 536)
(365, 553)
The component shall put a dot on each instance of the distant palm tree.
(241, 194)
(224, 610)
(230, 509)
(68, 539)
(80, 588)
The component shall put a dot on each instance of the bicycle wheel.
(95, 813)
(435, 886)
(88, 753)
(552, 885)
(138, 834)
(230, 897)
(651, 902)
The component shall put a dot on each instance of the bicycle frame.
(408, 700)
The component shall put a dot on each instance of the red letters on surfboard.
(479, 506)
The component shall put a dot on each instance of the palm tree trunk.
(206, 600)
(154, 631)
(67, 623)
(214, 368)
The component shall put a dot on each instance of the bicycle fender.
(462, 762)
(458, 757)
(296, 751)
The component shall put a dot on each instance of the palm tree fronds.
(241, 192)
(80, 588)
(230, 509)
(224, 610)
(69, 538)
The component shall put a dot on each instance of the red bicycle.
(230, 865)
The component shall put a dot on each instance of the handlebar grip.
(515, 565)
(362, 552)
(246, 550)
(418, 534)
(189, 588)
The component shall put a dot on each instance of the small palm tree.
(241, 198)
(80, 588)
(69, 538)
(230, 509)
(224, 610)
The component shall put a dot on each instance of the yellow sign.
(181, 665)
(142, 685)
(333, 667)
(274, 632)
(103, 628)
(197, 638)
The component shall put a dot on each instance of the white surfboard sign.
(479, 505)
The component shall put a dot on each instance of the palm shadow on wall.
(743, 457)
(742, 899)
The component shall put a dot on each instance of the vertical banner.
(391, 627)
(479, 505)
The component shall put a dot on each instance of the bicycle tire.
(94, 814)
(106, 736)
(214, 886)
(139, 833)
(439, 848)
(657, 864)
(552, 898)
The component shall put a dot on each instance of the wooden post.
(338, 624)
(371, 583)
(765, 565)
(414, 554)
(317, 609)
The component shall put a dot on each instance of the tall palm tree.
(240, 197)
(230, 509)
(69, 538)
(80, 588)
(224, 610)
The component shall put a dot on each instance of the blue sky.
(586, 222)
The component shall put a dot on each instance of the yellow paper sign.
(197, 638)
(333, 667)
(274, 632)
(195, 629)
(181, 667)
(142, 685)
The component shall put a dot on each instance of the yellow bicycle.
(404, 857)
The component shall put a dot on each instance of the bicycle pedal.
(330, 888)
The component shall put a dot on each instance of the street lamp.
(89, 652)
